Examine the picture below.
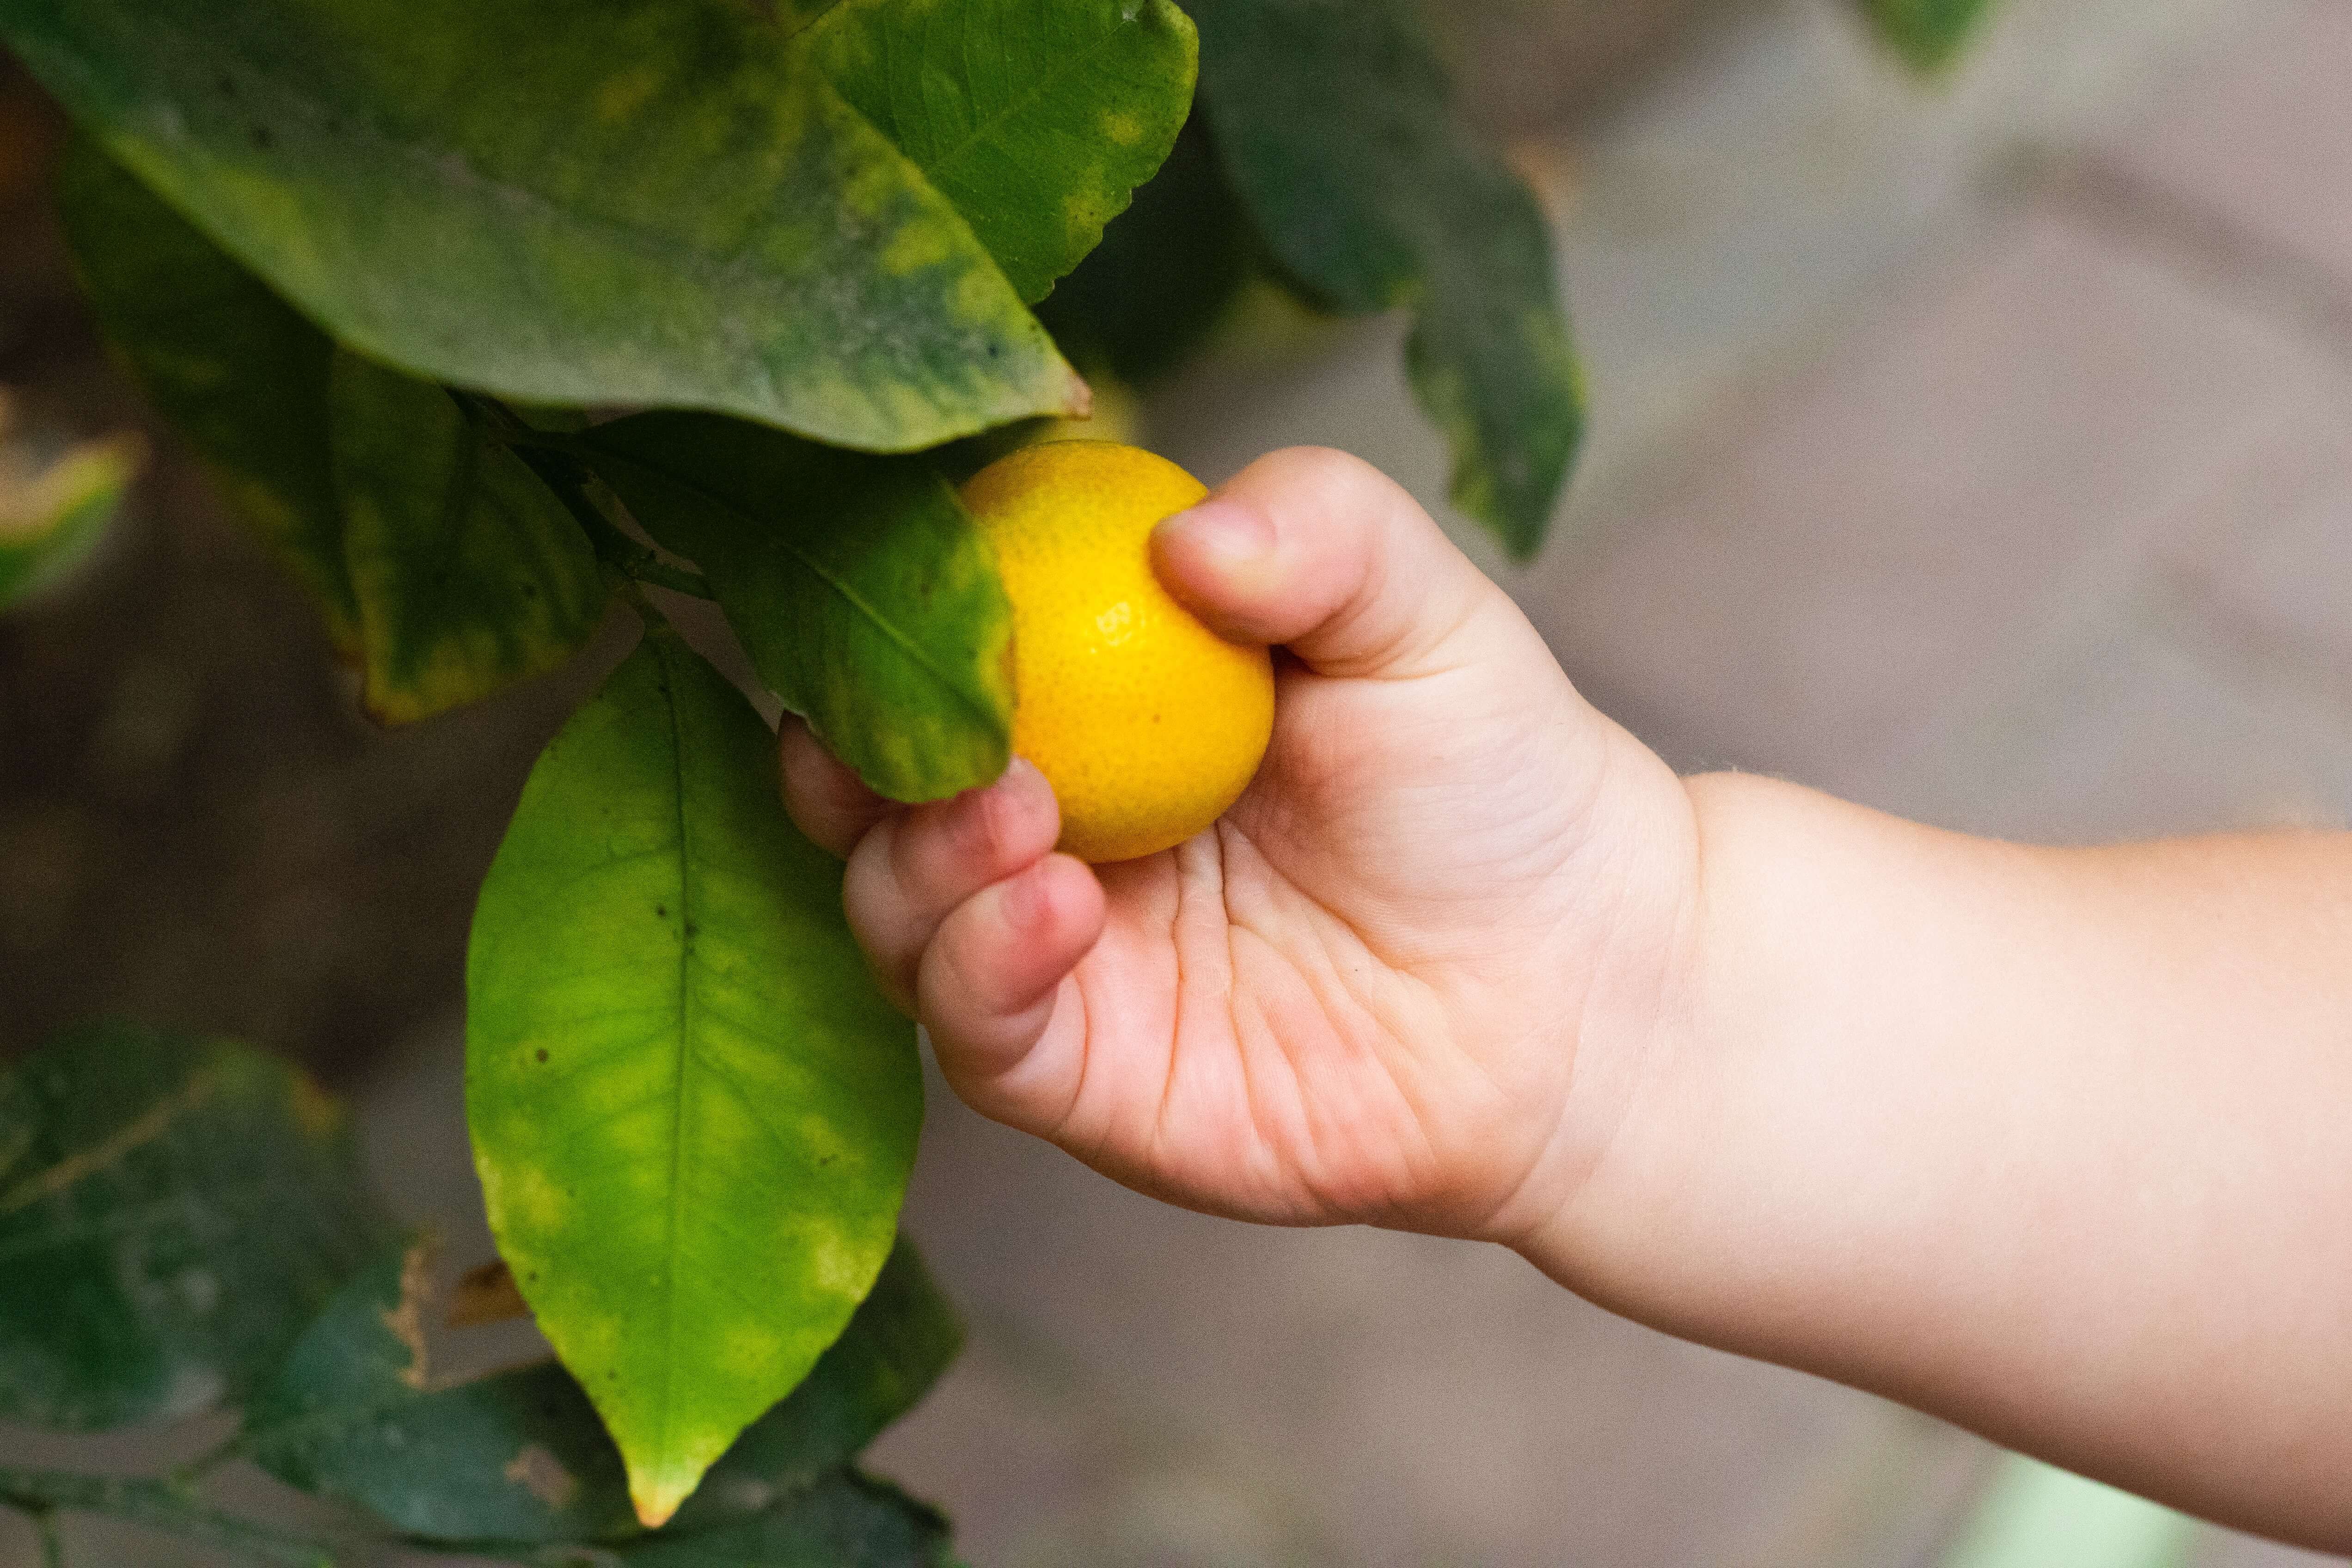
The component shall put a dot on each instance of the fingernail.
(1229, 534)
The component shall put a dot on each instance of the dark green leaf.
(468, 574)
(867, 598)
(1929, 34)
(354, 1414)
(53, 513)
(1034, 117)
(521, 1456)
(848, 1520)
(692, 1114)
(242, 375)
(172, 1214)
(1164, 273)
(566, 200)
(1337, 125)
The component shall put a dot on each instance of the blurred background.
(1980, 451)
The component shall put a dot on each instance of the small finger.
(824, 798)
(989, 980)
(918, 865)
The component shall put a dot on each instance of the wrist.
(1678, 1207)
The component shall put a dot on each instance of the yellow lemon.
(1146, 723)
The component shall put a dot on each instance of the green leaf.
(847, 1521)
(692, 1114)
(866, 597)
(1164, 273)
(469, 572)
(241, 374)
(1337, 127)
(566, 200)
(1036, 118)
(519, 1456)
(172, 1214)
(1929, 34)
(903, 1337)
(52, 515)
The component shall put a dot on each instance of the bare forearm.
(2053, 1143)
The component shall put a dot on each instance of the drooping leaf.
(846, 1520)
(1036, 118)
(172, 1214)
(1164, 273)
(468, 574)
(1929, 34)
(355, 1414)
(692, 1114)
(241, 374)
(865, 596)
(1337, 124)
(566, 200)
(53, 512)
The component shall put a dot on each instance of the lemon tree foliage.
(865, 596)
(518, 1458)
(1929, 34)
(1029, 87)
(467, 572)
(171, 1213)
(1164, 273)
(183, 1226)
(53, 509)
(692, 1114)
(493, 195)
(240, 373)
(1337, 125)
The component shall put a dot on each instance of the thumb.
(1321, 552)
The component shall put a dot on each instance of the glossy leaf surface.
(172, 1214)
(467, 573)
(1929, 34)
(692, 1114)
(865, 596)
(1337, 125)
(520, 1456)
(1036, 118)
(239, 372)
(566, 200)
(52, 513)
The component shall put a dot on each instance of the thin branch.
(53, 1547)
(554, 458)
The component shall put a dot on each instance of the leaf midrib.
(672, 1245)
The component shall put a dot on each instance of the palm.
(1259, 1030)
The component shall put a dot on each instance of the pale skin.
(2055, 1144)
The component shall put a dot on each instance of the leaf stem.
(158, 1505)
(552, 458)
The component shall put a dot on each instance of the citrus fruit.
(1146, 723)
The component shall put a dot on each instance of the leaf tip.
(656, 1497)
(1078, 400)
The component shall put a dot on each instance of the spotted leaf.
(692, 1114)
(171, 1213)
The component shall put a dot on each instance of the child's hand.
(1404, 980)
